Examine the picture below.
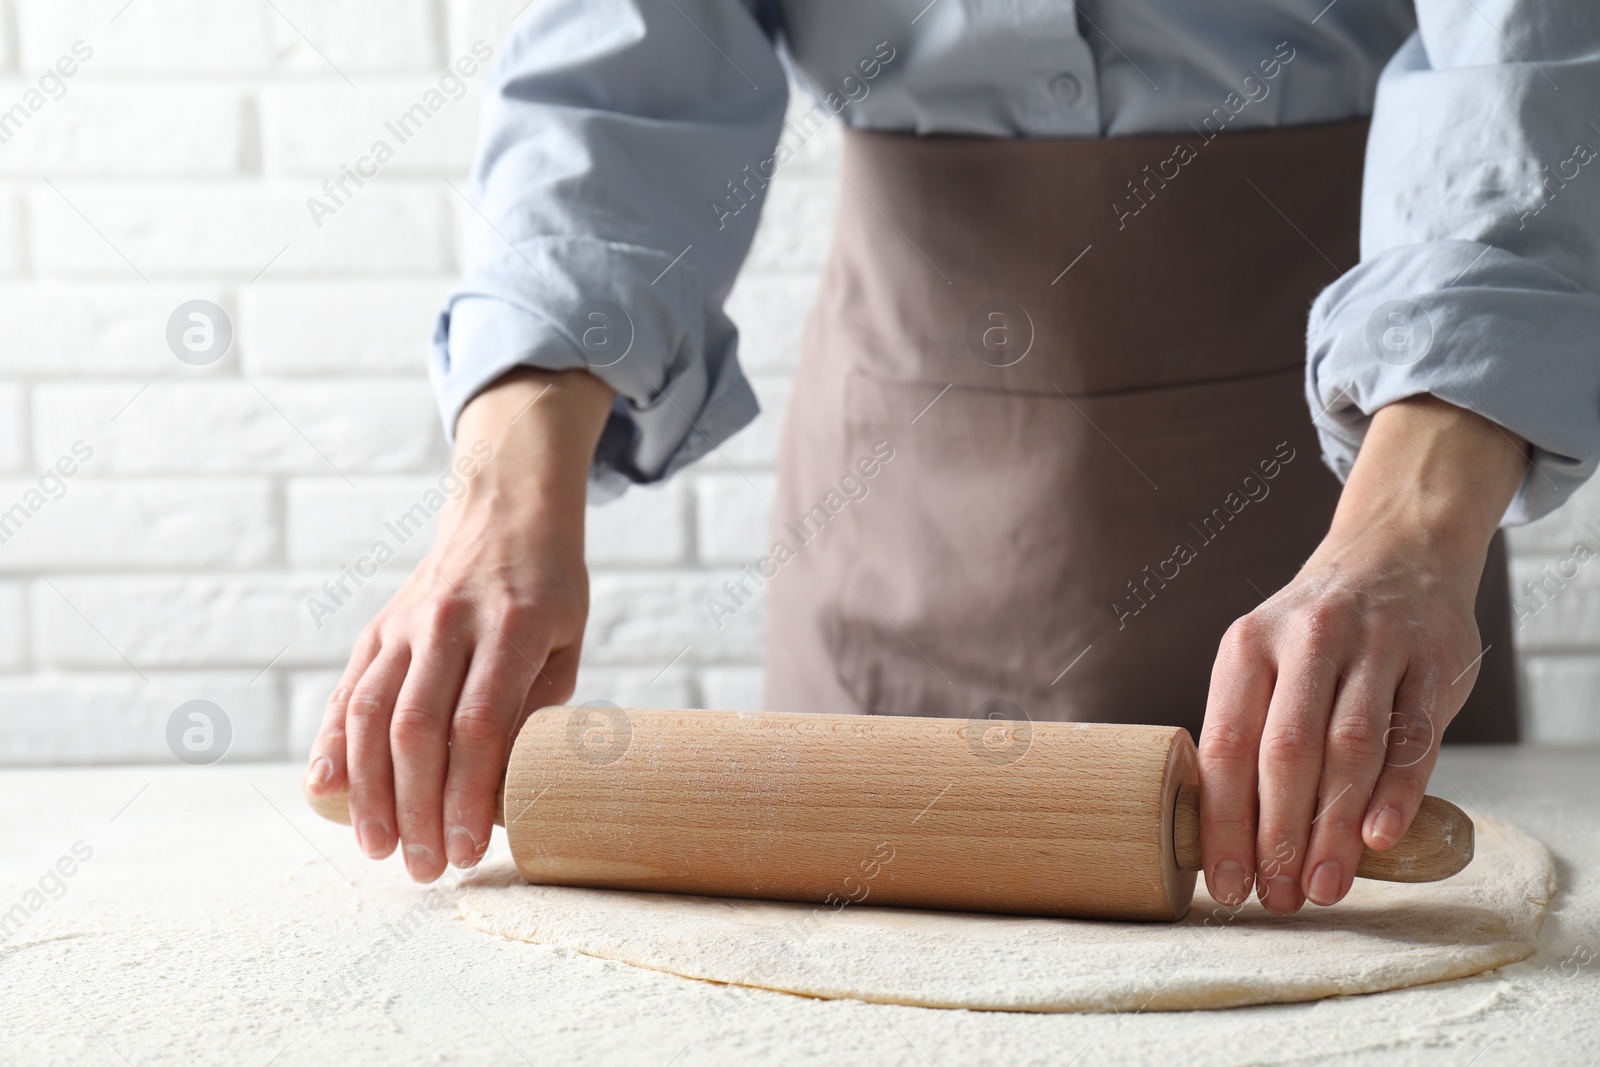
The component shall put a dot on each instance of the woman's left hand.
(1328, 701)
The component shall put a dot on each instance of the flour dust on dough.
(1382, 936)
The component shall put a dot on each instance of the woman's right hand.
(485, 631)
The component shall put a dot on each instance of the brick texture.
(176, 561)
(13, 427)
(111, 130)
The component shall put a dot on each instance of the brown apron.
(1048, 437)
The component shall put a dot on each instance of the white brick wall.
(1555, 588)
(175, 565)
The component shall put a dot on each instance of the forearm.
(1433, 476)
(542, 427)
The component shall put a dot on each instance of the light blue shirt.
(626, 145)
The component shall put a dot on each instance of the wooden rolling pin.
(1044, 818)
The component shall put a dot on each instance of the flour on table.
(1382, 936)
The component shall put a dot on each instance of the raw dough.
(1382, 936)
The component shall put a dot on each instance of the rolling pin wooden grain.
(1046, 818)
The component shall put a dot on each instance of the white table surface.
(218, 921)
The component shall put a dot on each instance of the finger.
(1291, 771)
(1352, 759)
(497, 686)
(326, 767)
(1411, 748)
(371, 771)
(419, 735)
(556, 679)
(1236, 708)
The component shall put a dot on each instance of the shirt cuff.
(632, 317)
(1477, 327)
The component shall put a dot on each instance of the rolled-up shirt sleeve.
(1479, 280)
(617, 138)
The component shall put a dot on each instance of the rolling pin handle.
(335, 807)
(1438, 844)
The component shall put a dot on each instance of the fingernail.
(372, 835)
(321, 771)
(419, 860)
(1233, 886)
(1281, 893)
(461, 848)
(1386, 827)
(1326, 881)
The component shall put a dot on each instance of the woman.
(1049, 443)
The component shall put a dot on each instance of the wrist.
(531, 437)
(1433, 478)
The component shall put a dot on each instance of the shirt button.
(1067, 87)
